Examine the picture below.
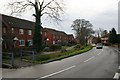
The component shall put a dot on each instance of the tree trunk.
(37, 39)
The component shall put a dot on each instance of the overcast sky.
(101, 13)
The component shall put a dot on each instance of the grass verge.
(45, 58)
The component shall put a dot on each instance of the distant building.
(104, 39)
(91, 40)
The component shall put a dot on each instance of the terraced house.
(16, 29)
(18, 33)
(52, 36)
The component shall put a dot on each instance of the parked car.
(99, 46)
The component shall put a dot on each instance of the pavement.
(96, 63)
(117, 74)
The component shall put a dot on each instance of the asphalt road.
(96, 63)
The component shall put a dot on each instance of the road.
(96, 63)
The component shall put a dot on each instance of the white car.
(99, 46)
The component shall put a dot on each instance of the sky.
(101, 13)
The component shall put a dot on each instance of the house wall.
(53, 38)
(24, 36)
(49, 36)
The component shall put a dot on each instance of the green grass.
(45, 58)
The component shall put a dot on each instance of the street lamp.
(14, 40)
(47, 42)
(12, 55)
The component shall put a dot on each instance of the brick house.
(22, 31)
(52, 36)
(104, 39)
(16, 28)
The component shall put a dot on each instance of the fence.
(10, 57)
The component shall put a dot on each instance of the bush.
(55, 47)
(46, 49)
(42, 58)
(78, 46)
(43, 46)
(63, 50)
(59, 56)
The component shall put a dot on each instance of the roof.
(8, 36)
(106, 35)
(70, 36)
(55, 32)
(91, 36)
(16, 22)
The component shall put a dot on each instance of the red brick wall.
(49, 36)
(24, 36)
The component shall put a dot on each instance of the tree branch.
(46, 5)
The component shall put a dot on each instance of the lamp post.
(14, 40)
(12, 55)
(47, 42)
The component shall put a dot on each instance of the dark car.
(99, 46)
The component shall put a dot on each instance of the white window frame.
(53, 42)
(45, 33)
(29, 32)
(20, 44)
(12, 30)
(4, 30)
(21, 31)
(30, 44)
(54, 36)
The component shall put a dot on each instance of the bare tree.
(82, 29)
(99, 32)
(51, 8)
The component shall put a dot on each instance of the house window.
(22, 42)
(30, 43)
(4, 30)
(41, 33)
(45, 33)
(12, 30)
(54, 37)
(60, 37)
(53, 42)
(21, 31)
(29, 32)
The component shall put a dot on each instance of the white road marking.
(116, 76)
(99, 53)
(56, 73)
(89, 59)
